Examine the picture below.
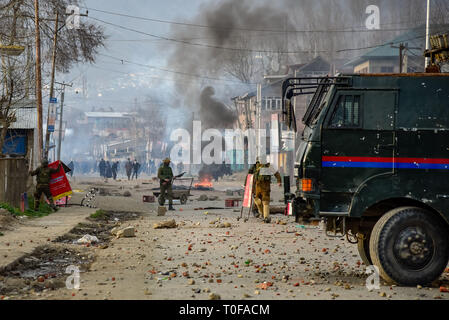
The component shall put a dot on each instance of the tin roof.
(415, 38)
(26, 115)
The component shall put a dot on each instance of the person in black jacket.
(136, 167)
(108, 173)
(114, 170)
(102, 167)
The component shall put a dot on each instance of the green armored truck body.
(374, 162)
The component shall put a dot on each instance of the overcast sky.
(116, 84)
(111, 83)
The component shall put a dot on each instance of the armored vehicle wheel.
(410, 246)
(183, 199)
(363, 247)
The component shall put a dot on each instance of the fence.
(13, 180)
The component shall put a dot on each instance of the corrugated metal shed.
(26, 115)
(26, 119)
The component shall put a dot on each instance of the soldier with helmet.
(165, 175)
(262, 176)
(43, 176)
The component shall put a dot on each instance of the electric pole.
(428, 33)
(402, 48)
(52, 83)
(259, 118)
(38, 83)
(61, 113)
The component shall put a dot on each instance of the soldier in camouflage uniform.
(262, 177)
(43, 174)
(165, 175)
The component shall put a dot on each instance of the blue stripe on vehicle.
(384, 165)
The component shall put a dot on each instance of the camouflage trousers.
(166, 191)
(42, 189)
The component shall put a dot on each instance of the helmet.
(167, 160)
(262, 159)
(44, 162)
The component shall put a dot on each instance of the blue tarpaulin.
(15, 142)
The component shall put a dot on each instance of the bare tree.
(17, 31)
(13, 94)
(241, 64)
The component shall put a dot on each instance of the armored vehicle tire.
(410, 246)
(183, 199)
(363, 247)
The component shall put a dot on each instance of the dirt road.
(205, 258)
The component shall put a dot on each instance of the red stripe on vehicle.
(386, 160)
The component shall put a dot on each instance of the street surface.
(203, 257)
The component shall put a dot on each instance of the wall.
(13, 180)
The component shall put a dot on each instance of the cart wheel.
(246, 220)
(183, 199)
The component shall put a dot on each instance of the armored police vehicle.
(373, 161)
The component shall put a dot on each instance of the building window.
(386, 69)
(268, 103)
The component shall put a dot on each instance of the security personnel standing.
(43, 178)
(165, 175)
(262, 176)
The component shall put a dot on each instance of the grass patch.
(99, 214)
(44, 209)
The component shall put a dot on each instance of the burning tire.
(410, 246)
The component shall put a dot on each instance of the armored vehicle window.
(346, 113)
(378, 110)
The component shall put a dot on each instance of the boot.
(266, 212)
(259, 206)
(170, 207)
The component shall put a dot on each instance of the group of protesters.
(132, 169)
(106, 170)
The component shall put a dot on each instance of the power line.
(167, 79)
(171, 71)
(250, 50)
(193, 43)
(348, 29)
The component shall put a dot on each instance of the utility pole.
(38, 83)
(52, 83)
(402, 48)
(259, 118)
(428, 33)
(53, 71)
(61, 116)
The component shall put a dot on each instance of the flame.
(205, 182)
